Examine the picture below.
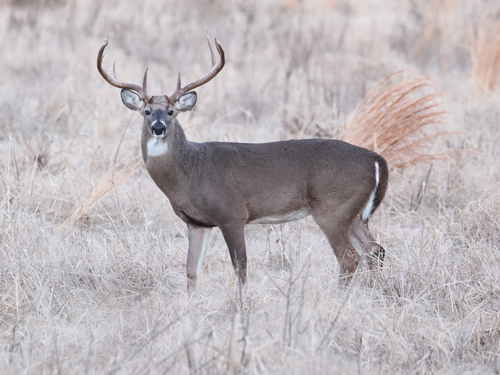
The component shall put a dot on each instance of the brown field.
(92, 258)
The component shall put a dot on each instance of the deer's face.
(158, 112)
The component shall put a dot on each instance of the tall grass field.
(92, 257)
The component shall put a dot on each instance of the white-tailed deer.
(229, 185)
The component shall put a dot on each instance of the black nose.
(158, 129)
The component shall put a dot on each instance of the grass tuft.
(392, 119)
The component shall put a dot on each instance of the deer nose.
(158, 128)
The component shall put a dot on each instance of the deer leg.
(198, 243)
(337, 233)
(377, 252)
(366, 243)
(234, 235)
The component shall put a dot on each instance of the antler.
(211, 74)
(142, 91)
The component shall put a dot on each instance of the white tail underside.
(369, 206)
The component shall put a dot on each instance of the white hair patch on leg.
(357, 245)
(369, 206)
(206, 237)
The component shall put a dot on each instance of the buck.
(229, 185)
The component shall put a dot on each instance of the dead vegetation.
(486, 56)
(395, 120)
(108, 293)
(114, 177)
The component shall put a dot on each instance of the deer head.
(159, 112)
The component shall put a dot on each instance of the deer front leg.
(234, 234)
(198, 243)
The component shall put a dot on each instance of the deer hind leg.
(366, 244)
(234, 235)
(337, 233)
(198, 242)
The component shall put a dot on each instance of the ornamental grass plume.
(392, 120)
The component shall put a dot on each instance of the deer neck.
(167, 158)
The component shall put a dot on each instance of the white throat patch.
(157, 146)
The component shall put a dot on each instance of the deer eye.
(147, 112)
(170, 113)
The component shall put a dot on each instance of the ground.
(92, 258)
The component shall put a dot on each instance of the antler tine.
(178, 82)
(145, 85)
(211, 49)
(113, 81)
(216, 68)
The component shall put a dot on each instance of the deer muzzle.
(158, 128)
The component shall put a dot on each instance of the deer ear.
(132, 100)
(186, 102)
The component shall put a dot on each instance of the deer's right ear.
(132, 100)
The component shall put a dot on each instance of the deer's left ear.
(186, 102)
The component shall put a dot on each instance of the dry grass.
(114, 177)
(108, 293)
(486, 56)
(394, 119)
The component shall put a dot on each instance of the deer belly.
(281, 218)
